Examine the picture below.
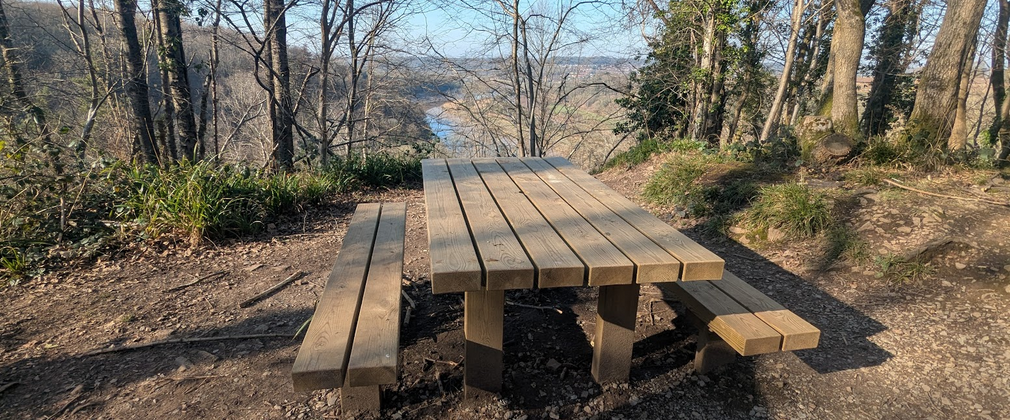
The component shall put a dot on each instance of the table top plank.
(556, 265)
(322, 361)
(698, 262)
(374, 359)
(505, 262)
(454, 263)
(652, 263)
(605, 263)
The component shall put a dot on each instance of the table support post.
(483, 317)
(616, 314)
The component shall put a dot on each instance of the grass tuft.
(793, 208)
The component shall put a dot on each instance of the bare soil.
(931, 347)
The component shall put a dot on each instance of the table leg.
(616, 314)
(483, 317)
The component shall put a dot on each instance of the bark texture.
(936, 99)
(136, 86)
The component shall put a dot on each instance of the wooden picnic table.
(499, 224)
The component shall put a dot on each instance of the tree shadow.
(845, 331)
(47, 381)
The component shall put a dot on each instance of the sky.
(462, 31)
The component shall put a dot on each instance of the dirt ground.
(932, 347)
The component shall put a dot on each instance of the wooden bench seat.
(733, 316)
(352, 342)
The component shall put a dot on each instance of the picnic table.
(499, 224)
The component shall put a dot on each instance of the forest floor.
(929, 340)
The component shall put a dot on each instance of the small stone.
(946, 283)
(1006, 267)
(553, 364)
(1007, 289)
(332, 398)
(905, 229)
(205, 357)
(960, 266)
(183, 363)
(634, 400)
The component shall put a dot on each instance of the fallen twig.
(182, 340)
(448, 362)
(199, 279)
(251, 301)
(406, 317)
(954, 197)
(74, 395)
(409, 300)
(7, 386)
(521, 305)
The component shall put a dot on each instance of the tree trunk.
(281, 120)
(899, 26)
(136, 86)
(173, 62)
(850, 28)
(959, 130)
(936, 97)
(996, 76)
(772, 122)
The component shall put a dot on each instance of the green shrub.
(647, 147)
(793, 208)
(675, 182)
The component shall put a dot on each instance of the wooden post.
(360, 399)
(616, 314)
(712, 351)
(483, 317)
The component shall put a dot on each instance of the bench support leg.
(712, 351)
(360, 399)
(616, 315)
(483, 317)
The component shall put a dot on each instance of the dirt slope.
(935, 347)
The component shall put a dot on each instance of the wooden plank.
(605, 264)
(454, 263)
(614, 338)
(555, 263)
(743, 331)
(483, 323)
(322, 359)
(505, 263)
(697, 262)
(797, 333)
(374, 354)
(652, 263)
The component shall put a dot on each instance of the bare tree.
(137, 84)
(775, 114)
(936, 97)
(173, 64)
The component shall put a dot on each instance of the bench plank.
(555, 263)
(797, 333)
(606, 264)
(505, 263)
(374, 354)
(322, 358)
(740, 328)
(698, 262)
(454, 263)
(652, 263)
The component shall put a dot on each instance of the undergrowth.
(794, 209)
(646, 148)
(56, 215)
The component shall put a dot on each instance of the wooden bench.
(734, 317)
(353, 340)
